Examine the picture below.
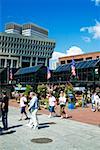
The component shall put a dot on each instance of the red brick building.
(81, 57)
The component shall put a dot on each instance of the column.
(5, 65)
(17, 64)
(31, 61)
(36, 61)
(46, 62)
(20, 61)
(11, 66)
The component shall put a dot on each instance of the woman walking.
(62, 102)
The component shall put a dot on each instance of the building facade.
(78, 58)
(24, 46)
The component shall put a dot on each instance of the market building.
(87, 73)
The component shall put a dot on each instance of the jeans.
(4, 119)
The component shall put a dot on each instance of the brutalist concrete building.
(24, 46)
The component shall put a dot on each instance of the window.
(88, 58)
(97, 57)
(62, 62)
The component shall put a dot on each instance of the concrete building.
(24, 46)
(78, 58)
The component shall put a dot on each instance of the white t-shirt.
(22, 100)
(62, 100)
(97, 99)
(52, 101)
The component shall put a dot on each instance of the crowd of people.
(33, 106)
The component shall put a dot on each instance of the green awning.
(28, 70)
(78, 65)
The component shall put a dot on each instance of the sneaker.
(61, 117)
(36, 127)
(28, 125)
(49, 116)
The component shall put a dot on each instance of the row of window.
(27, 41)
(77, 60)
(8, 62)
(26, 52)
(24, 46)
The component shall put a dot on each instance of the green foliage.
(68, 91)
(41, 90)
(56, 93)
(28, 89)
(80, 103)
(69, 88)
(44, 103)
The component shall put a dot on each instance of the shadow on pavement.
(47, 123)
(16, 126)
(7, 132)
(43, 126)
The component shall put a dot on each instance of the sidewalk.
(65, 134)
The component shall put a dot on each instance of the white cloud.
(94, 30)
(74, 50)
(53, 63)
(56, 55)
(97, 2)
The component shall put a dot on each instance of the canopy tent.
(28, 70)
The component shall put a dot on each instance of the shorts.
(62, 109)
(23, 110)
(51, 108)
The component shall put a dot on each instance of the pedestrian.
(62, 102)
(33, 108)
(23, 101)
(0, 104)
(52, 104)
(83, 100)
(4, 109)
(93, 101)
(97, 101)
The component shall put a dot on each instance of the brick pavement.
(84, 115)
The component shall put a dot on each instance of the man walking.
(4, 109)
(33, 108)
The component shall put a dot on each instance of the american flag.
(73, 68)
(48, 73)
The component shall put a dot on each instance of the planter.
(71, 106)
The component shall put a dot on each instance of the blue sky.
(71, 23)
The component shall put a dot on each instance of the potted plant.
(70, 96)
